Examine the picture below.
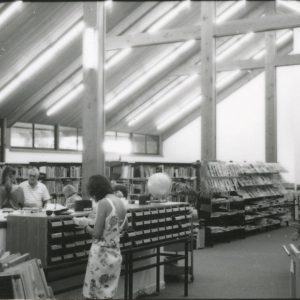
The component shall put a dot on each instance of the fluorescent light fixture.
(292, 5)
(169, 16)
(231, 11)
(121, 146)
(117, 58)
(283, 38)
(152, 72)
(90, 53)
(227, 79)
(176, 114)
(234, 47)
(260, 54)
(10, 11)
(151, 106)
(41, 60)
(65, 100)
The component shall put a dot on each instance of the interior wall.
(185, 145)
(241, 123)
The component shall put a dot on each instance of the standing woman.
(104, 263)
(11, 195)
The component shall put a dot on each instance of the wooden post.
(270, 91)
(3, 139)
(208, 82)
(93, 125)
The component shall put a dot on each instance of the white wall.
(241, 123)
(185, 145)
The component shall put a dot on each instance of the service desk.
(3, 225)
(63, 248)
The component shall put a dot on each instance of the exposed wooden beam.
(208, 82)
(270, 91)
(267, 23)
(146, 39)
(245, 64)
(287, 60)
(3, 128)
(93, 129)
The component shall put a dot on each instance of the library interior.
(149, 149)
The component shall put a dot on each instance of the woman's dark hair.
(98, 187)
(121, 188)
(8, 171)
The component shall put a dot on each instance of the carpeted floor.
(254, 267)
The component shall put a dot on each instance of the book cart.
(238, 199)
(63, 248)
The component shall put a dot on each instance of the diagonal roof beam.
(147, 39)
(267, 23)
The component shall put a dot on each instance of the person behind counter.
(36, 193)
(121, 192)
(11, 195)
(71, 195)
(104, 263)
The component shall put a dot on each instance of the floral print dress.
(104, 263)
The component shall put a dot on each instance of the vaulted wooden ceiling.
(37, 25)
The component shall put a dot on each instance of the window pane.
(139, 145)
(21, 135)
(152, 144)
(67, 138)
(43, 136)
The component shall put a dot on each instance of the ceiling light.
(227, 79)
(260, 54)
(176, 114)
(283, 38)
(234, 47)
(163, 63)
(292, 5)
(65, 100)
(41, 60)
(117, 58)
(142, 113)
(10, 11)
(90, 53)
(230, 11)
(169, 16)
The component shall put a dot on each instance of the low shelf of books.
(135, 176)
(241, 198)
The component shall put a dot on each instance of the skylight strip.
(117, 58)
(41, 60)
(169, 16)
(234, 47)
(227, 79)
(231, 11)
(176, 114)
(292, 5)
(65, 100)
(163, 100)
(10, 11)
(163, 63)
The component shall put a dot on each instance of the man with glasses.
(35, 193)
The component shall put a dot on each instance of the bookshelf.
(135, 175)
(241, 197)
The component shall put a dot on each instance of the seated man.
(36, 193)
(71, 195)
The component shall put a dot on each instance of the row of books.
(61, 171)
(223, 169)
(56, 187)
(260, 192)
(145, 171)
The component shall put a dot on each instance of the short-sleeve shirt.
(34, 196)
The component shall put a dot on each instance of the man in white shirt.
(35, 193)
